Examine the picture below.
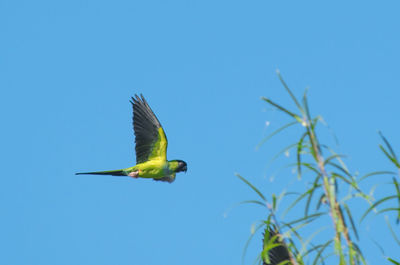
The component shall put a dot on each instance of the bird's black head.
(182, 166)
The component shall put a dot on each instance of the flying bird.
(151, 148)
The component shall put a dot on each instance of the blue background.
(68, 69)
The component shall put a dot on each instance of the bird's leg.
(134, 174)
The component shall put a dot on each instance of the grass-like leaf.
(338, 158)
(396, 185)
(274, 202)
(342, 169)
(310, 195)
(375, 173)
(254, 202)
(283, 151)
(360, 256)
(322, 199)
(353, 226)
(392, 209)
(311, 250)
(295, 116)
(391, 158)
(308, 241)
(299, 198)
(393, 261)
(276, 132)
(319, 253)
(336, 175)
(388, 145)
(306, 219)
(289, 91)
(314, 140)
(252, 187)
(305, 104)
(246, 246)
(332, 157)
(299, 150)
(311, 167)
(373, 206)
(391, 231)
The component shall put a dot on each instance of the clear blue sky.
(68, 69)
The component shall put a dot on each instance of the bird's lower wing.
(168, 179)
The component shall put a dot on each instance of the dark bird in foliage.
(279, 253)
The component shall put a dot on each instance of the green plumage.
(151, 148)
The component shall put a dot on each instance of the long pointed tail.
(111, 172)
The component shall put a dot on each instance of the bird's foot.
(134, 174)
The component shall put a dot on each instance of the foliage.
(330, 188)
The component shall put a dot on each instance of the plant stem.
(335, 209)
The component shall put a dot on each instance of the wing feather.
(150, 139)
(168, 179)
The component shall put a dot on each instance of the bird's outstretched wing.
(150, 139)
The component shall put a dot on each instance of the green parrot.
(151, 148)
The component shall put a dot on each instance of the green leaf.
(252, 186)
(249, 240)
(309, 239)
(289, 91)
(392, 209)
(306, 219)
(342, 178)
(312, 127)
(391, 231)
(299, 198)
(245, 202)
(295, 116)
(322, 199)
(393, 261)
(253, 202)
(309, 166)
(319, 253)
(315, 185)
(285, 262)
(396, 185)
(388, 145)
(359, 254)
(284, 150)
(267, 248)
(311, 250)
(335, 156)
(391, 158)
(338, 158)
(376, 204)
(275, 132)
(344, 170)
(376, 173)
(305, 104)
(315, 146)
(299, 150)
(353, 226)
